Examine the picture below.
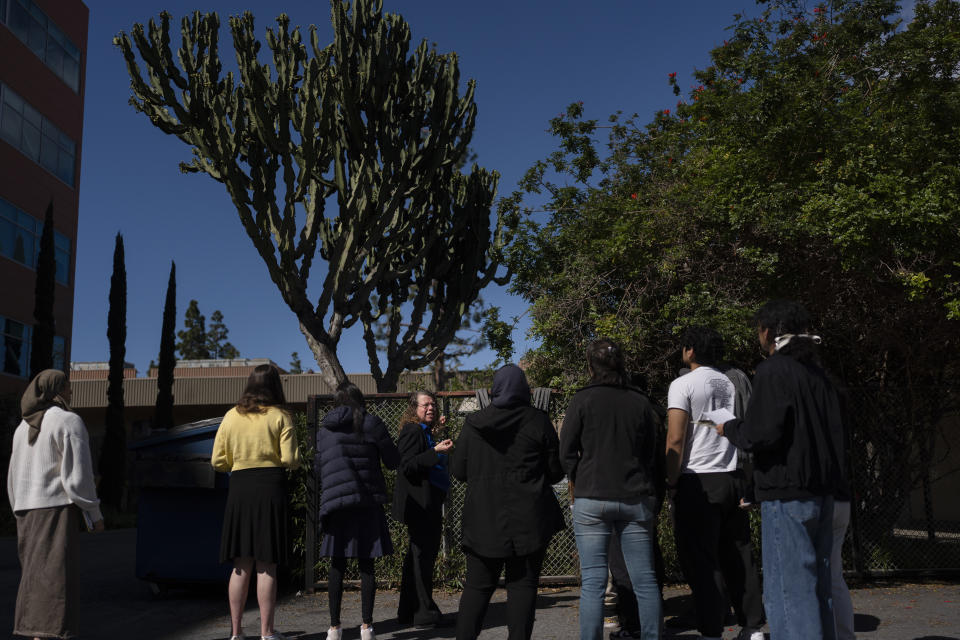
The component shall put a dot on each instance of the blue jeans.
(797, 541)
(635, 525)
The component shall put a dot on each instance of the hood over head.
(338, 419)
(510, 387)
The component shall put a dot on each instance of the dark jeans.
(368, 589)
(416, 585)
(522, 577)
(713, 544)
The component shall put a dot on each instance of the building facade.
(43, 47)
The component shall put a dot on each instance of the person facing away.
(255, 442)
(712, 531)
(608, 448)
(351, 445)
(794, 428)
(423, 480)
(50, 485)
(507, 456)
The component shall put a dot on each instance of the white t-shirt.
(704, 389)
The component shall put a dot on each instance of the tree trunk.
(331, 371)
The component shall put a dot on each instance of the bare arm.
(677, 420)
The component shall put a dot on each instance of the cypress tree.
(44, 328)
(113, 453)
(163, 418)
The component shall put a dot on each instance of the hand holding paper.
(717, 416)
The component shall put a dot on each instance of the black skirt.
(255, 523)
(360, 532)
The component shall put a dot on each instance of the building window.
(44, 38)
(59, 353)
(15, 347)
(20, 240)
(35, 136)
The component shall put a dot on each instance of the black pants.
(416, 585)
(713, 544)
(522, 577)
(368, 589)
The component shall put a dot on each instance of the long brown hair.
(410, 413)
(264, 389)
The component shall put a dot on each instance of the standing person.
(794, 428)
(351, 444)
(51, 489)
(507, 456)
(423, 480)
(608, 450)
(255, 443)
(712, 531)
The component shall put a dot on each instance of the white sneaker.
(239, 636)
(334, 633)
(366, 633)
(756, 635)
(276, 635)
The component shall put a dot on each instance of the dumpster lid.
(176, 433)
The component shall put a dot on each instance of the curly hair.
(410, 413)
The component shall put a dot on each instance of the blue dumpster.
(180, 507)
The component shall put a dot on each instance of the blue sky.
(530, 59)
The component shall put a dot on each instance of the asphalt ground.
(116, 606)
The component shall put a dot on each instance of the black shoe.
(434, 622)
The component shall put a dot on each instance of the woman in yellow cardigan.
(255, 442)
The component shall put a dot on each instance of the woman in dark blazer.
(507, 455)
(421, 488)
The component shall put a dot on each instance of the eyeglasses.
(428, 404)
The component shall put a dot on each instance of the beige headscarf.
(42, 393)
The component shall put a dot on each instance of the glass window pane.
(65, 167)
(61, 241)
(30, 142)
(13, 357)
(13, 328)
(7, 232)
(31, 115)
(10, 126)
(37, 39)
(71, 73)
(59, 352)
(12, 99)
(63, 266)
(49, 154)
(7, 210)
(23, 242)
(20, 21)
(54, 56)
(3, 10)
(67, 143)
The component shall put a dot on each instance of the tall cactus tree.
(366, 119)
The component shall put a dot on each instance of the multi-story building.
(43, 47)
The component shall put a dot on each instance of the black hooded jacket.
(507, 455)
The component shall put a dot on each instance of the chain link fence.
(905, 517)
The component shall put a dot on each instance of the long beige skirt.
(47, 598)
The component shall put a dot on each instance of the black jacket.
(609, 445)
(508, 458)
(413, 492)
(349, 469)
(794, 428)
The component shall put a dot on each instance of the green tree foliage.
(44, 328)
(163, 417)
(816, 158)
(295, 365)
(217, 344)
(365, 119)
(113, 453)
(193, 338)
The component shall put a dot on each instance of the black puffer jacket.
(507, 455)
(349, 469)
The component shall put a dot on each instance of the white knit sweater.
(56, 469)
